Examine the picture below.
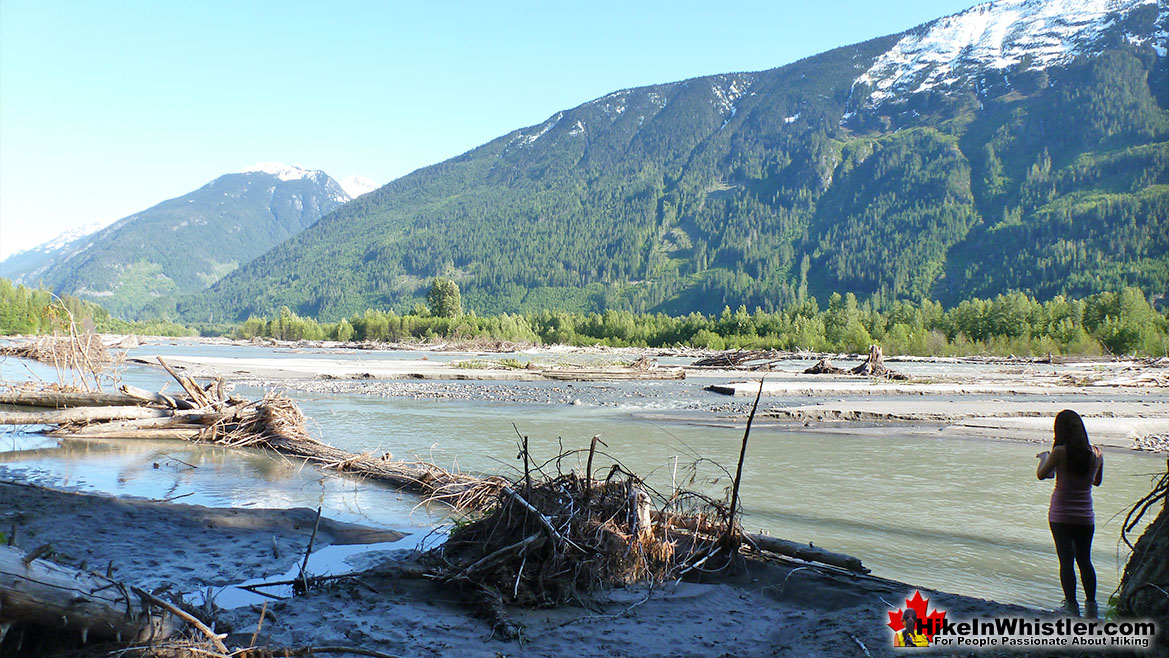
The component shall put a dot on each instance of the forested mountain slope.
(139, 265)
(1020, 145)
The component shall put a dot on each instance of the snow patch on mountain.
(26, 265)
(996, 35)
(526, 140)
(355, 186)
(281, 171)
(728, 93)
(70, 236)
(64, 239)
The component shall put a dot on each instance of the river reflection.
(966, 516)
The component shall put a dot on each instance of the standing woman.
(1077, 466)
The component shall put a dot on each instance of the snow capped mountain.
(25, 266)
(68, 237)
(954, 51)
(355, 186)
(282, 171)
(150, 258)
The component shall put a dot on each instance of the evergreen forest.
(766, 190)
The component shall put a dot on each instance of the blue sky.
(107, 108)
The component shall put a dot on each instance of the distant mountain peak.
(355, 186)
(69, 236)
(25, 265)
(281, 171)
(996, 35)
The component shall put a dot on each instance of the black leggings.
(1073, 545)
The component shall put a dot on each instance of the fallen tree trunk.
(806, 552)
(287, 437)
(188, 433)
(824, 367)
(582, 375)
(55, 596)
(79, 415)
(150, 397)
(65, 399)
(193, 419)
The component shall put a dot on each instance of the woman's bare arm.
(1048, 462)
(1099, 466)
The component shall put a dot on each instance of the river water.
(965, 516)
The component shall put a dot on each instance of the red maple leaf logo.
(930, 623)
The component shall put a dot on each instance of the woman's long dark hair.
(1070, 433)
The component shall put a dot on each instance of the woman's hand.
(1046, 466)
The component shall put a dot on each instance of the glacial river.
(965, 516)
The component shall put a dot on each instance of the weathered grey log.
(806, 552)
(582, 375)
(198, 396)
(194, 419)
(55, 596)
(417, 477)
(824, 367)
(156, 398)
(79, 415)
(65, 399)
(186, 433)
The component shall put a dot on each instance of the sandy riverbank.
(775, 608)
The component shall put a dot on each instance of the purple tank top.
(1071, 500)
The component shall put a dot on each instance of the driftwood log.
(806, 552)
(746, 359)
(872, 366)
(205, 414)
(824, 367)
(79, 415)
(604, 375)
(64, 399)
(54, 596)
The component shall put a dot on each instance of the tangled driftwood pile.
(81, 352)
(206, 414)
(548, 542)
(745, 359)
(873, 366)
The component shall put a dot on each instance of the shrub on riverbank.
(1112, 323)
(32, 311)
(1106, 323)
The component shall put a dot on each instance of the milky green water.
(966, 516)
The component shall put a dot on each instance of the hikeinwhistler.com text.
(1021, 633)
